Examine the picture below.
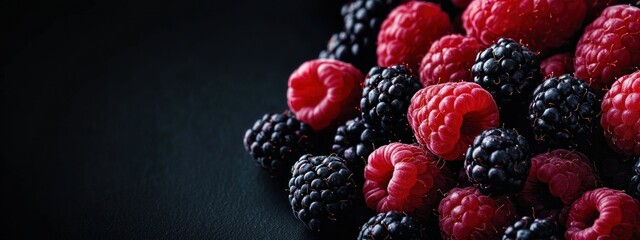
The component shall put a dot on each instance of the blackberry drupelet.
(508, 71)
(354, 142)
(634, 185)
(357, 43)
(385, 100)
(498, 161)
(321, 191)
(276, 141)
(529, 228)
(391, 225)
(563, 112)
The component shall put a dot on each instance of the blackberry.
(528, 228)
(354, 142)
(321, 191)
(498, 161)
(276, 141)
(347, 48)
(634, 185)
(385, 100)
(508, 71)
(563, 112)
(356, 44)
(391, 225)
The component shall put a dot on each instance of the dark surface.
(125, 120)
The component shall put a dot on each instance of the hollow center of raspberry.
(591, 218)
(314, 92)
(470, 124)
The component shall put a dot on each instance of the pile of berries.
(483, 119)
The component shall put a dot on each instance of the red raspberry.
(449, 60)
(621, 114)
(408, 31)
(447, 117)
(402, 177)
(555, 180)
(465, 213)
(325, 92)
(539, 24)
(557, 65)
(604, 214)
(609, 47)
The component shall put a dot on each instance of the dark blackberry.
(276, 141)
(347, 48)
(528, 228)
(354, 142)
(634, 185)
(391, 225)
(498, 161)
(385, 100)
(563, 112)
(321, 191)
(356, 44)
(508, 71)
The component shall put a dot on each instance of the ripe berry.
(528, 228)
(391, 225)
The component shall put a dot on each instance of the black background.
(124, 120)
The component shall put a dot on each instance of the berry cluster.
(525, 127)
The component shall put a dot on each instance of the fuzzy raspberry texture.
(604, 214)
(408, 31)
(540, 25)
(556, 65)
(325, 93)
(447, 117)
(555, 180)
(465, 213)
(449, 60)
(403, 177)
(621, 114)
(609, 47)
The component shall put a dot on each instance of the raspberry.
(529, 228)
(621, 114)
(557, 65)
(595, 7)
(276, 141)
(465, 213)
(498, 161)
(447, 117)
(563, 112)
(325, 93)
(391, 225)
(609, 47)
(555, 180)
(449, 60)
(540, 24)
(604, 214)
(408, 31)
(402, 177)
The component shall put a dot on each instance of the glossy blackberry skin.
(356, 44)
(498, 161)
(391, 225)
(634, 185)
(354, 141)
(509, 71)
(277, 140)
(321, 191)
(385, 100)
(563, 112)
(529, 228)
